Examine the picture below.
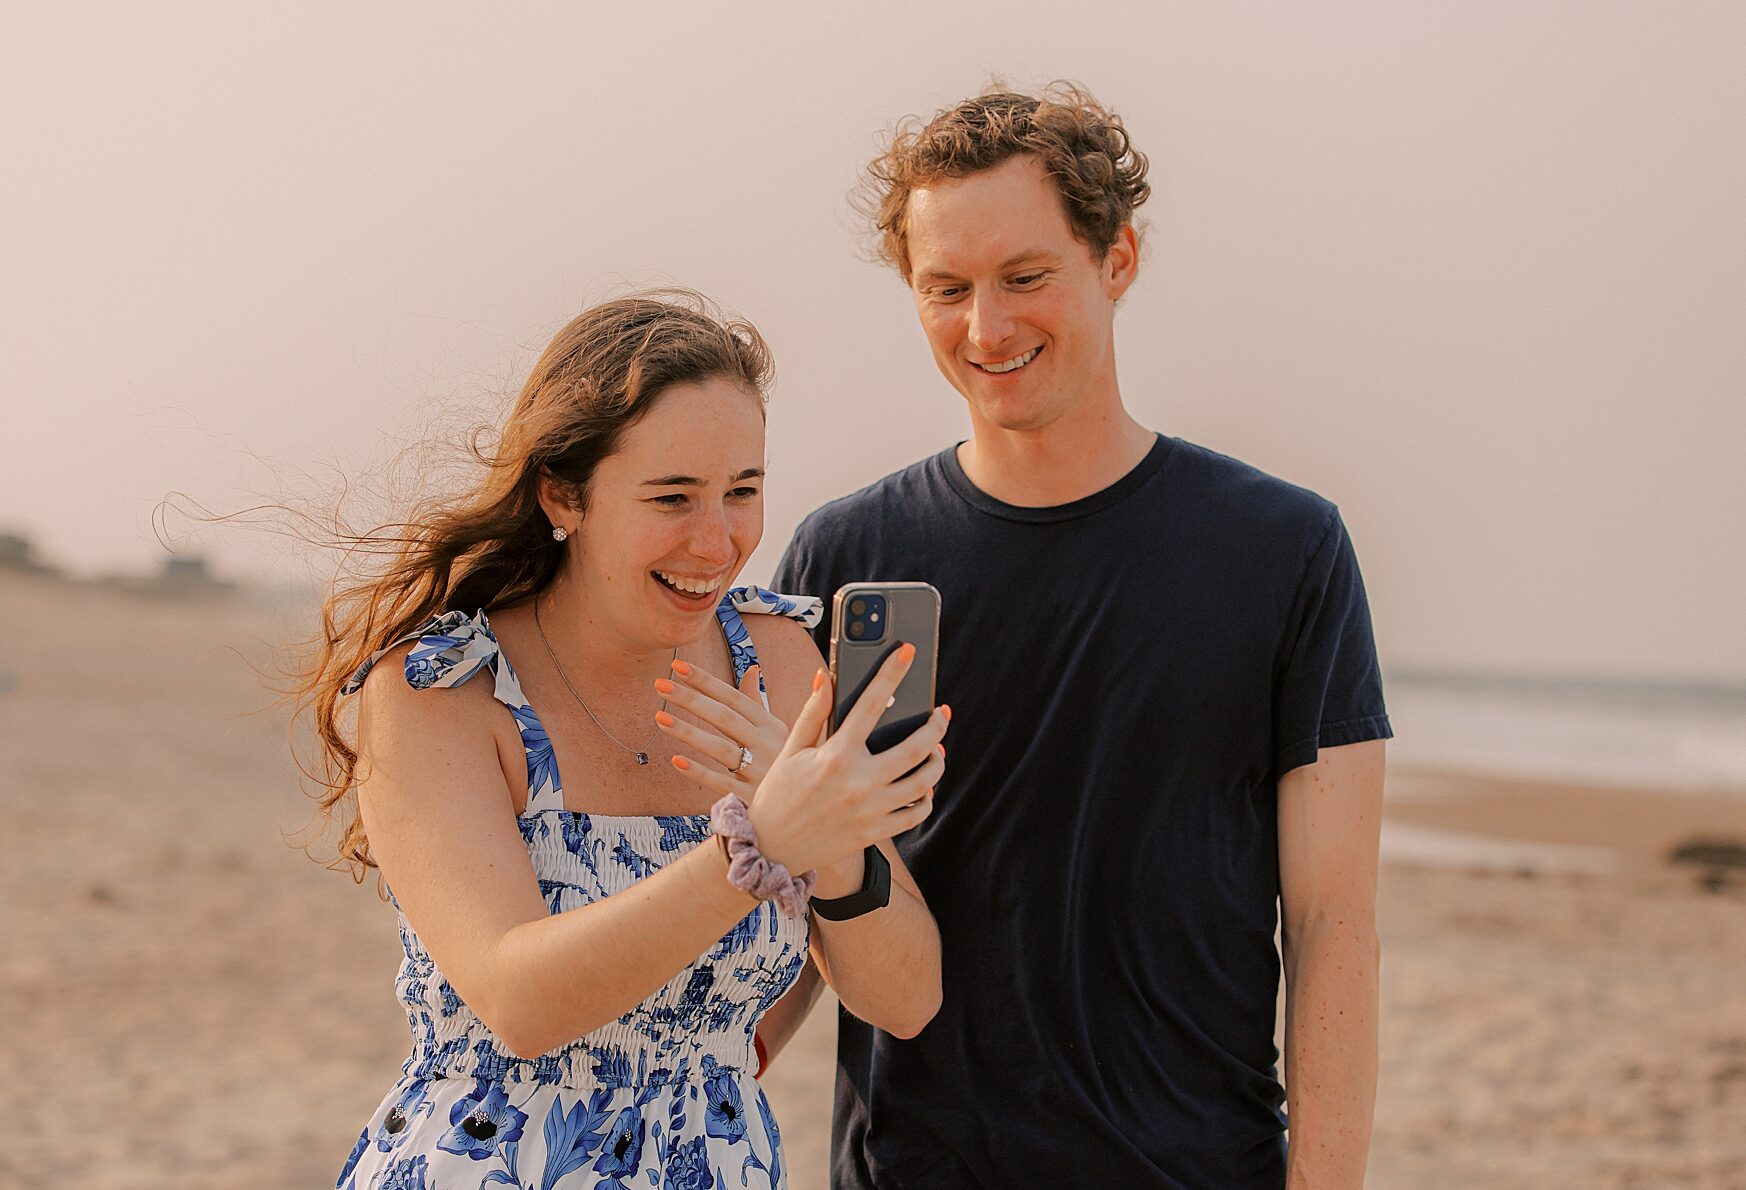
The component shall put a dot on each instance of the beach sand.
(189, 1001)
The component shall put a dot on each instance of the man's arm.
(1330, 816)
(784, 1018)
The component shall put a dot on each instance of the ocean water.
(1689, 738)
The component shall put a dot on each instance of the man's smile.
(1008, 365)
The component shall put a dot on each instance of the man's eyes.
(952, 293)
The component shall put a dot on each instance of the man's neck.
(1064, 461)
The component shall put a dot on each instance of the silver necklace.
(641, 754)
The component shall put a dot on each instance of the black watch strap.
(874, 893)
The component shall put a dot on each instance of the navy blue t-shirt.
(1130, 674)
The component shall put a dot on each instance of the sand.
(190, 1002)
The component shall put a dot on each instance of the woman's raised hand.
(736, 719)
(826, 798)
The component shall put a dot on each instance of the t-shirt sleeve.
(798, 574)
(1328, 689)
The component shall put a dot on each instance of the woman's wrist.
(770, 841)
(749, 869)
(711, 873)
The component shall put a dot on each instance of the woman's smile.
(691, 592)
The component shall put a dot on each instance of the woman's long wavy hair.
(492, 545)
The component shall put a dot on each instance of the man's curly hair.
(1101, 176)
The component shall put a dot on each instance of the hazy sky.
(1475, 271)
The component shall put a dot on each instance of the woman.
(586, 966)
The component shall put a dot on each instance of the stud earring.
(559, 533)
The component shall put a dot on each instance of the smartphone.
(868, 623)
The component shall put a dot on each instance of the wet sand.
(190, 1002)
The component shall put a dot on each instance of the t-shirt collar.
(1085, 506)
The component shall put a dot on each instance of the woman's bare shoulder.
(395, 716)
(789, 658)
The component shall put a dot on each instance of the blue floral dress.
(662, 1097)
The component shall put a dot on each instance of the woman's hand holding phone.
(826, 798)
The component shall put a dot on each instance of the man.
(1167, 730)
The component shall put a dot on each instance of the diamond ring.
(745, 759)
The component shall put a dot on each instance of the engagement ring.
(745, 759)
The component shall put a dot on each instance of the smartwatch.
(874, 893)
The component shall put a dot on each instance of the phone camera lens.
(857, 606)
(857, 629)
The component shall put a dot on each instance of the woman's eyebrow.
(691, 481)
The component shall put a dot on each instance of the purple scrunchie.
(748, 870)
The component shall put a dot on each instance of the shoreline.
(1441, 816)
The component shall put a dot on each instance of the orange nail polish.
(818, 679)
(681, 667)
(663, 685)
(948, 710)
(680, 763)
(907, 652)
(664, 719)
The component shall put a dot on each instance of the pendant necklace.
(641, 754)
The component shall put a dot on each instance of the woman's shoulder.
(805, 610)
(426, 732)
(784, 643)
(780, 626)
(780, 630)
(445, 652)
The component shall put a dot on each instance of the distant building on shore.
(188, 574)
(180, 575)
(18, 554)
